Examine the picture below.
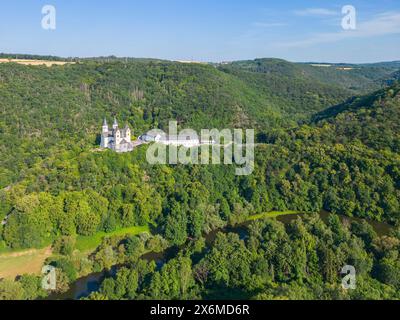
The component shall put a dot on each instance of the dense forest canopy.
(323, 143)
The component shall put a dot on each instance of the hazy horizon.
(205, 31)
(199, 61)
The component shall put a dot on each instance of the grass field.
(92, 242)
(17, 263)
(273, 214)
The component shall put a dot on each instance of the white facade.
(119, 140)
(178, 141)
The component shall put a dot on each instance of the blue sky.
(205, 30)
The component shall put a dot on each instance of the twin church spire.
(115, 124)
(117, 139)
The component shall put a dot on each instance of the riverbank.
(273, 214)
(90, 243)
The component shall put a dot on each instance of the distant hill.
(301, 89)
(353, 77)
(32, 57)
(395, 76)
(295, 92)
(372, 119)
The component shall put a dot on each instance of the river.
(84, 286)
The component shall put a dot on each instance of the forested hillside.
(321, 145)
(62, 107)
(43, 107)
(300, 90)
(371, 120)
(346, 160)
(355, 78)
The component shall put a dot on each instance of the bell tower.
(115, 125)
(128, 133)
(104, 135)
(105, 126)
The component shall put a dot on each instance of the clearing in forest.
(15, 264)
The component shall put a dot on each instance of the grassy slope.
(273, 214)
(92, 242)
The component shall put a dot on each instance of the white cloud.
(316, 12)
(382, 24)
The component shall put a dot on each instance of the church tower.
(128, 133)
(115, 125)
(105, 126)
(104, 135)
(117, 137)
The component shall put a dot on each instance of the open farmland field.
(36, 62)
